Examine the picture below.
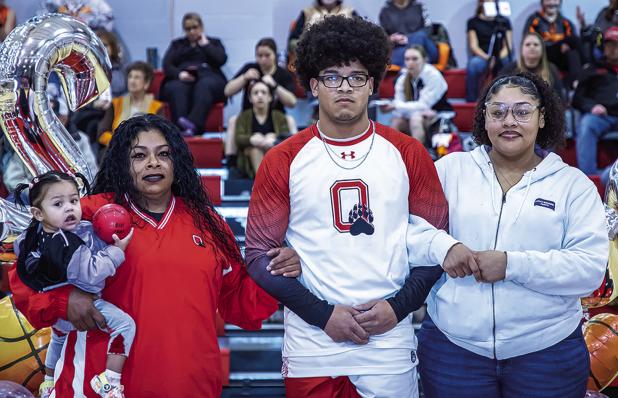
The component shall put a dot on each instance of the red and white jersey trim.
(150, 220)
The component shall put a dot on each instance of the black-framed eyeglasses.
(522, 111)
(335, 81)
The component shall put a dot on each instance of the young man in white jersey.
(340, 193)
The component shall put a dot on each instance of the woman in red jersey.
(182, 266)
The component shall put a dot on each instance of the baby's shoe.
(104, 388)
(46, 388)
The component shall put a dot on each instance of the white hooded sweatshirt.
(551, 225)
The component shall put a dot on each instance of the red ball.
(111, 219)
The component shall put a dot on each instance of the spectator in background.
(265, 69)
(606, 18)
(136, 102)
(561, 41)
(7, 20)
(259, 128)
(420, 92)
(406, 23)
(311, 15)
(485, 52)
(592, 35)
(596, 98)
(95, 13)
(533, 59)
(193, 80)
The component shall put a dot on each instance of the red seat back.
(387, 85)
(155, 84)
(464, 115)
(207, 152)
(456, 80)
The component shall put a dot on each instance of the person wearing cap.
(596, 98)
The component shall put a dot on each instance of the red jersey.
(172, 283)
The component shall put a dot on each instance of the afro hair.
(338, 40)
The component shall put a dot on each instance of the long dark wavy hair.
(114, 176)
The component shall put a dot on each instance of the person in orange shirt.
(136, 102)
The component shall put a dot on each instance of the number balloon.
(53, 42)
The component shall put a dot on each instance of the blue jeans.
(447, 370)
(592, 129)
(419, 37)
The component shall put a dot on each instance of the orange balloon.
(601, 335)
(22, 348)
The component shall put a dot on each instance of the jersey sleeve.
(41, 309)
(241, 301)
(91, 203)
(269, 211)
(426, 198)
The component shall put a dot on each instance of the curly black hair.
(338, 40)
(552, 135)
(114, 176)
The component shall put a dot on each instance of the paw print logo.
(361, 218)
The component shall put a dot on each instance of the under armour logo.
(351, 155)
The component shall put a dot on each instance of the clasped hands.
(357, 323)
(486, 266)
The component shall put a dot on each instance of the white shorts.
(403, 385)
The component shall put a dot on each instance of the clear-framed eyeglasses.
(522, 111)
(335, 81)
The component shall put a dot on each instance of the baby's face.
(60, 208)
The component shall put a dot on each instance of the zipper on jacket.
(493, 303)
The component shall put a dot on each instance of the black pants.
(194, 100)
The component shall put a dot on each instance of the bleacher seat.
(597, 182)
(225, 366)
(464, 115)
(214, 120)
(212, 184)
(456, 80)
(607, 152)
(207, 152)
(387, 85)
(568, 154)
(155, 84)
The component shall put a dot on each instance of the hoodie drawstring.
(493, 181)
(521, 206)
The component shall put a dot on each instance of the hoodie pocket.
(463, 309)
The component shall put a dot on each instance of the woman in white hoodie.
(538, 229)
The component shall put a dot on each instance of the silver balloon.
(14, 219)
(53, 42)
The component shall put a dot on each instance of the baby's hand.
(124, 242)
